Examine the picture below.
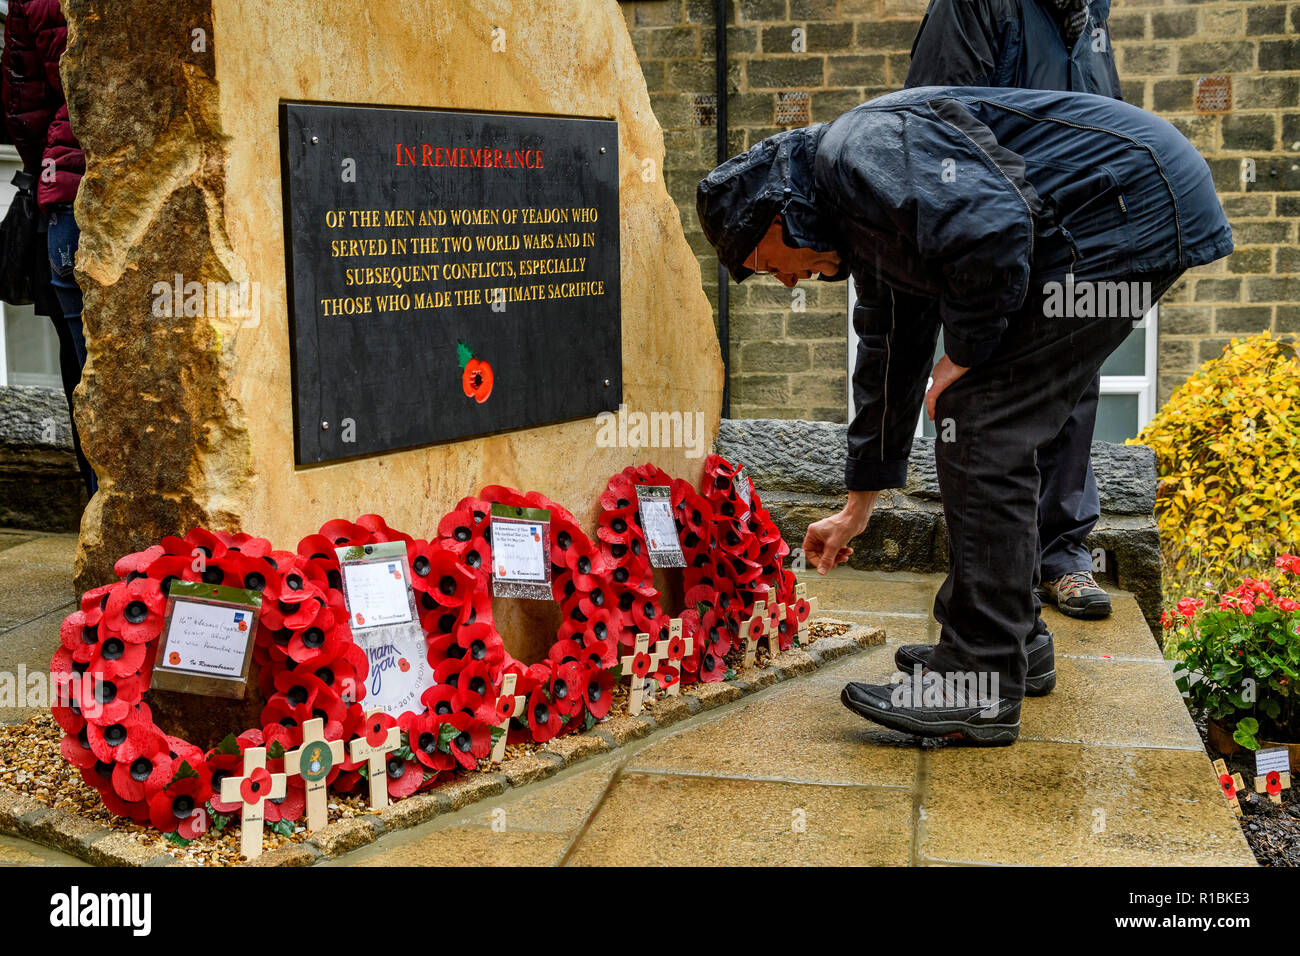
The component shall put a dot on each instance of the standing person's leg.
(1068, 509)
(63, 239)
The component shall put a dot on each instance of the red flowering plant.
(1240, 655)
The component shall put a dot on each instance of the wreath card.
(521, 552)
(207, 640)
(381, 611)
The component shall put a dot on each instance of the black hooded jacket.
(959, 196)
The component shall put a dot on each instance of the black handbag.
(23, 250)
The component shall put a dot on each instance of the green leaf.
(275, 751)
(229, 746)
(1244, 734)
(282, 827)
(219, 820)
(731, 673)
(463, 353)
(446, 734)
(497, 731)
(178, 839)
(701, 608)
(183, 772)
(589, 720)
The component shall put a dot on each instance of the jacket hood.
(736, 202)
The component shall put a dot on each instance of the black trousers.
(997, 416)
(1068, 503)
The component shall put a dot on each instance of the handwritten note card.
(517, 552)
(208, 639)
(376, 593)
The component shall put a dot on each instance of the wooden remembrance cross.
(509, 705)
(313, 761)
(376, 763)
(663, 651)
(251, 791)
(637, 688)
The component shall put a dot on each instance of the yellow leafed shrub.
(1227, 450)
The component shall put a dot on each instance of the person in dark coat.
(1046, 45)
(1039, 226)
(36, 114)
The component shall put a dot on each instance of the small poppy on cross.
(673, 650)
(638, 666)
(508, 705)
(1230, 784)
(382, 737)
(251, 791)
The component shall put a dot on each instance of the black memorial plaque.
(450, 274)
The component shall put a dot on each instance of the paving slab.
(798, 732)
(26, 650)
(668, 820)
(848, 589)
(475, 846)
(1037, 803)
(15, 851)
(1118, 703)
(1124, 634)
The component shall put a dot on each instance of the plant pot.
(1220, 738)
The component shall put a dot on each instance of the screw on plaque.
(324, 426)
(607, 383)
(602, 149)
(315, 139)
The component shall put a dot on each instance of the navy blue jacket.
(956, 195)
(1012, 43)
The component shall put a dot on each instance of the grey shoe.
(1078, 595)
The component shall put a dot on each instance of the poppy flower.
(755, 628)
(178, 807)
(667, 675)
(619, 494)
(641, 664)
(108, 700)
(402, 775)
(221, 767)
(564, 652)
(601, 654)
(597, 691)
(138, 562)
(676, 648)
(75, 748)
(472, 742)
(377, 727)
(291, 806)
(457, 528)
(476, 678)
(712, 667)
(422, 736)
(566, 688)
(451, 581)
(618, 526)
(115, 658)
(447, 671)
(142, 777)
(476, 378)
(543, 717)
(135, 611)
(587, 565)
(320, 638)
(481, 642)
(125, 740)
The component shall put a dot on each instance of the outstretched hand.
(826, 544)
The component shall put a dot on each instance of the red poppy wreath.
(638, 601)
(751, 549)
(572, 687)
(105, 663)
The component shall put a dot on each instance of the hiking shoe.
(910, 706)
(1039, 680)
(1078, 595)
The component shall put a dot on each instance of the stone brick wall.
(788, 358)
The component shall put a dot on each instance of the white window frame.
(1143, 386)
